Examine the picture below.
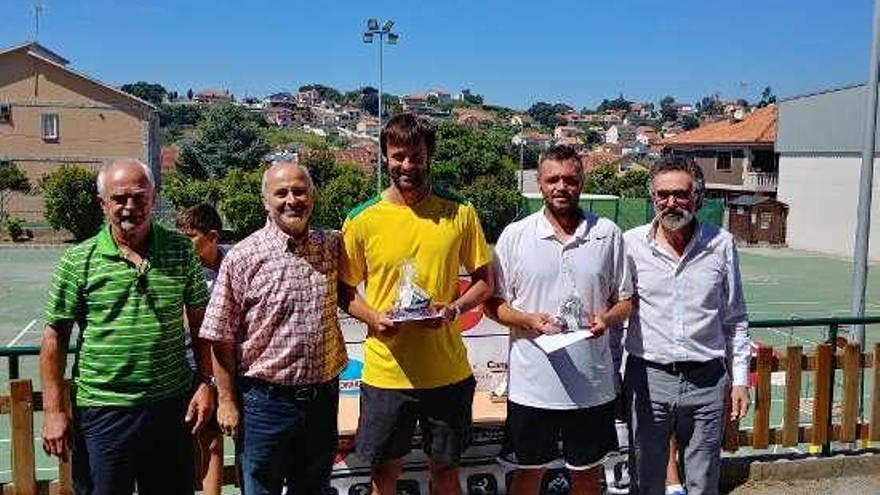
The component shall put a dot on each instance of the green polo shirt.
(130, 320)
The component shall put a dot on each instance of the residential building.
(368, 126)
(416, 103)
(308, 97)
(738, 156)
(441, 95)
(819, 142)
(51, 115)
(212, 96)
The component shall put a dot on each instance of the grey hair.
(106, 166)
(286, 163)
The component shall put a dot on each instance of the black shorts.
(532, 436)
(388, 419)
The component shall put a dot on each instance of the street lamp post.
(371, 32)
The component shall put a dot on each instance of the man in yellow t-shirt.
(414, 372)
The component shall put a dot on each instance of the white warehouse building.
(819, 141)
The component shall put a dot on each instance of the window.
(50, 126)
(5, 112)
(722, 161)
(766, 220)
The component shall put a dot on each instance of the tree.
(70, 201)
(545, 114)
(349, 187)
(189, 94)
(473, 99)
(177, 114)
(767, 97)
(633, 184)
(479, 165)
(495, 202)
(228, 137)
(602, 180)
(689, 122)
(668, 111)
(619, 103)
(241, 201)
(12, 180)
(326, 93)
(151, 92)
(390, 104)
(710, 105)
(182, 191)
(321, 165)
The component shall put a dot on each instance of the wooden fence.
(23, 401)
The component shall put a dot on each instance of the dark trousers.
(116, 447)
(288, 437)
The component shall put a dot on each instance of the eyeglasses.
(679, 195)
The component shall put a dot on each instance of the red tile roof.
(758, 127)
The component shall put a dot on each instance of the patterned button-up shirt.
(275, 298)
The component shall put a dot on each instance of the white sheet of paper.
(554, 342)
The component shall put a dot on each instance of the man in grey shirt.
(560, 273)
(687, 338)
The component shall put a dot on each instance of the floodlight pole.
(866, 180)
(374, 29)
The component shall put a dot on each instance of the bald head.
(289, 196)
(281, 167)
(127, 193)
(128, 167)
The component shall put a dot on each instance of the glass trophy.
(572, 314)
(412, 303)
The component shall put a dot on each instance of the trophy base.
(426, 314)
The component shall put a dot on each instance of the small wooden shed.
(758, 219)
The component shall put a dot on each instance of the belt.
(679, 367)
(302, 393)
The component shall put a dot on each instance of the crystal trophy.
(412, 303)
(572, 314)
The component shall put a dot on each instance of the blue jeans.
(288, 437)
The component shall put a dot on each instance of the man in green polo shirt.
(127, 289)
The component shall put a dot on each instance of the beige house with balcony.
(737, 155)
(51, 115)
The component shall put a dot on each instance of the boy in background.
(202, 224)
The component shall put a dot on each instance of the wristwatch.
(456, 308)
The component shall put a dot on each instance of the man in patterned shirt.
(277, 342)
(127, 289)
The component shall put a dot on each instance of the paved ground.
(861, 485)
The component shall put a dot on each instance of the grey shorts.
(388, 419)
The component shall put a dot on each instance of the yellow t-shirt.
(439, 235)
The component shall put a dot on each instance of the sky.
(513, 52)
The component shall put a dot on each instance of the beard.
(677, 219)
(409, 182)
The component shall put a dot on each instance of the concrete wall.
(822, 194)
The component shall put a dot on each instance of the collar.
(696, 238)
(544, 229)
(281, 239)
(106, 244)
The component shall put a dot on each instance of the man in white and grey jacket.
(687, 342)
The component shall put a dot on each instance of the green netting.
(632, 212)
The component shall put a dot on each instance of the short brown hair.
(201, 217)
(562, 153)
(408, 130)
